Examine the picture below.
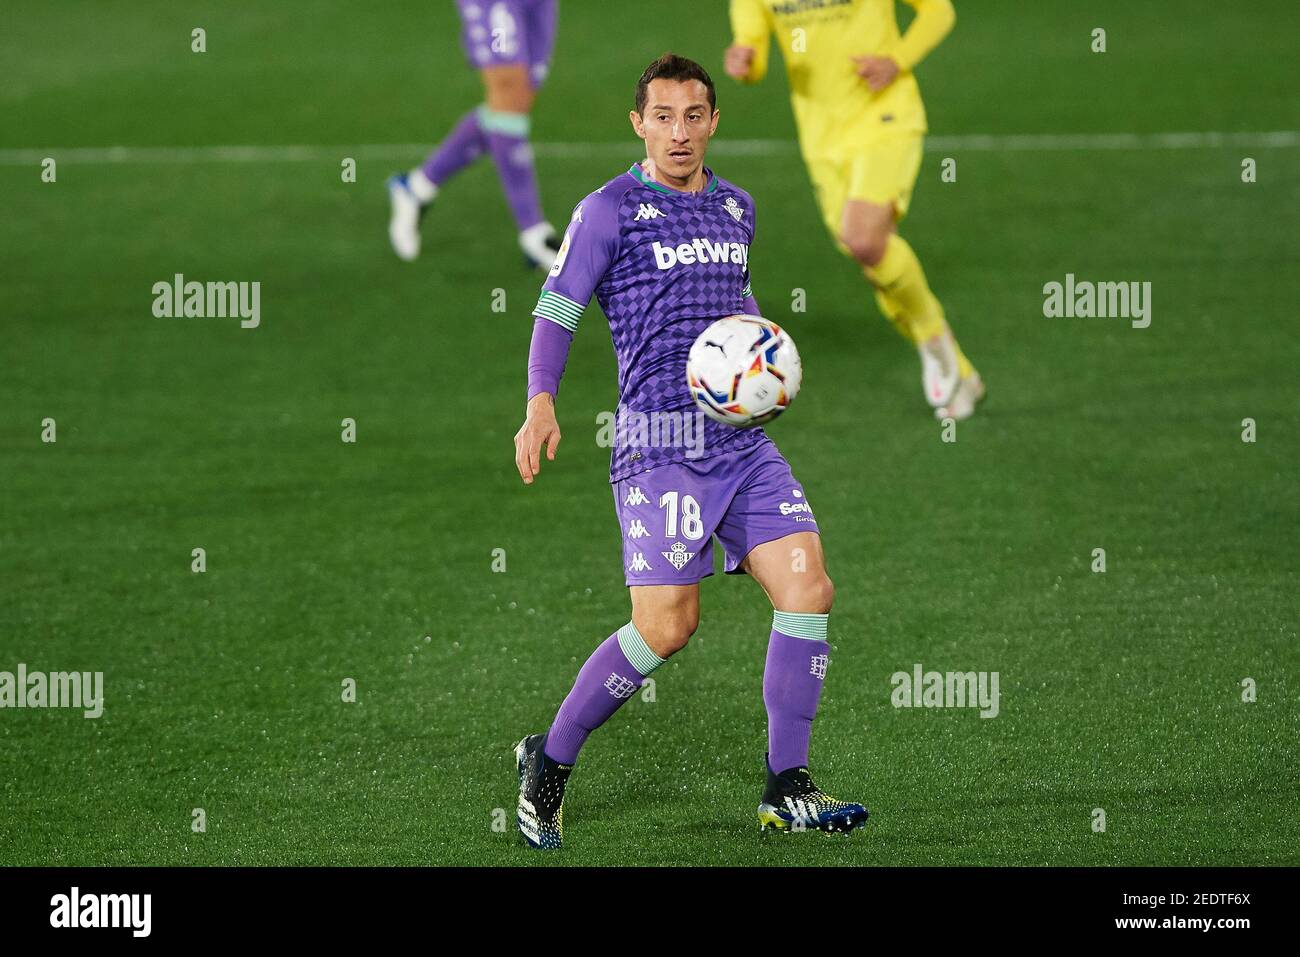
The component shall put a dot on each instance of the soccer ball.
(744, 370)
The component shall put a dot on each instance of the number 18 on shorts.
(669, 515)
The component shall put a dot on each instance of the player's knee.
(667, 631)
(808, 594)
(866, 245)
(820, 595)
(508, 91)
(514, 100)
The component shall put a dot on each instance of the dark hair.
(670, 66)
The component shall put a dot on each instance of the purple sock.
(792, 685)
(507, 141)
(608, 678)
(462, 146)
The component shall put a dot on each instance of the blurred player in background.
(664, 247)
(509, 42)
(861, 125)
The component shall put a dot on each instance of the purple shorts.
(506, 32)
(670, 514)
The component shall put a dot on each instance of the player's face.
(676, 127)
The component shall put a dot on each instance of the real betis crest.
(678, 556)
(734, 208)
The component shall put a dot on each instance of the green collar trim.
(639, 175)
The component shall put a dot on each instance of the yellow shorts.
(882, 172)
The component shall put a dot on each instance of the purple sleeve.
(590, 245)
(751, 306)
(546, 356)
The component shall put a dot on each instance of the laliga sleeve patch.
(562, 255)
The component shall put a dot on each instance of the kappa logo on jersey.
(635, 496)
(700, 251)
(619, 686)
(639, 564)
(649, 211)
(636, 529)
(817, 667)
(679, 556)
(736, 210)
(577, 214)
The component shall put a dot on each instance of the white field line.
(409, 152)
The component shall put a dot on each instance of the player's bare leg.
(792, 571)
(869, 231)
(666, 615)
(508, 88)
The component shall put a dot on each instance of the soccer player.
(665, 248)
(509, 42)
(861, 124)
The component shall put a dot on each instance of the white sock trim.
(636, 650)
(799, 624)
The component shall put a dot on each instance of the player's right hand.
(738, 60)
(539, 428)
(878, 71)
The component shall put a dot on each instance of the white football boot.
(962, 406)
(404, 217)
(940, 373)
(540, 245)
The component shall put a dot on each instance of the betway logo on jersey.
(700, 251)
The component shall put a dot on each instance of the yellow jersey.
(835, 110)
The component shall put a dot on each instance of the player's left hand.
(878, 71)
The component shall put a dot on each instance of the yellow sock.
(903, 293)
(889, 309)
(905, 298)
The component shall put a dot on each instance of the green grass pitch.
(326, 560)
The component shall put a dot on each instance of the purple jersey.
(663, 264)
